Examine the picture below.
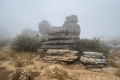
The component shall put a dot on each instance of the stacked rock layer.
(93, 59)
(58, 38)
(62, 39)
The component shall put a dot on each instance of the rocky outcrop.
(65, 37)
(61, 39)
(93, 59)
(71, 25)
(43, 27)
(61, 55)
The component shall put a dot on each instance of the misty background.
(96, 17)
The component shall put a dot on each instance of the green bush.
(26, 43)
(94, 44)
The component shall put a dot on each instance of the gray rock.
(62, 37)
(73, 28)
(71, 19)
(60, 58)
(56, 30)
(60, 52)
(93, 55)
(45, 37)
(60, 42)
(61, 55)
(43, 27)
(87, 60)
(59, 46)
(93, 59)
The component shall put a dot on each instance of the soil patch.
(4, 74)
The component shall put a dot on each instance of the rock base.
(93, 59)
(61, 55)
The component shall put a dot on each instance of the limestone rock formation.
(71, 25)
(93, 59)
(61, 38)
(61, 55)
(43, 27)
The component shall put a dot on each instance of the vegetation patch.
(26, 43)
(56, 71)
(117, 73)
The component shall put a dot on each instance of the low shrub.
(94, 44)
(26, 43)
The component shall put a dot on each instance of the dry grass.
(114, 60)
(113, 57)
(17, 59)
(7, 53)
(114, 64)
(19, 63)
(42, 70)
(16, 75)
(117, 73)
(55, 71)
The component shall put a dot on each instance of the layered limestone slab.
(93, 55)
(61, 55)
(71, 29)
(60, 52)
(59, 46)
(62, 37)
(60, 58)
(60, 42)
(57, 30)
(93, 59)
(87, 60)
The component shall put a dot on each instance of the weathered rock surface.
(63, 37)
(71, 25)
(93, 55)
(59, 46)
(62, 42)
(71, 29)
(93, 59)
(87, 60)
(71, 19)
(60, 52)
(43, 27)
(57, 30)
(61, 55)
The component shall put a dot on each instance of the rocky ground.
(12, 65)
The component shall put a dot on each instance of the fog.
(96, 17)
(4, 33)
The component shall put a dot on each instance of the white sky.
(96, 17)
